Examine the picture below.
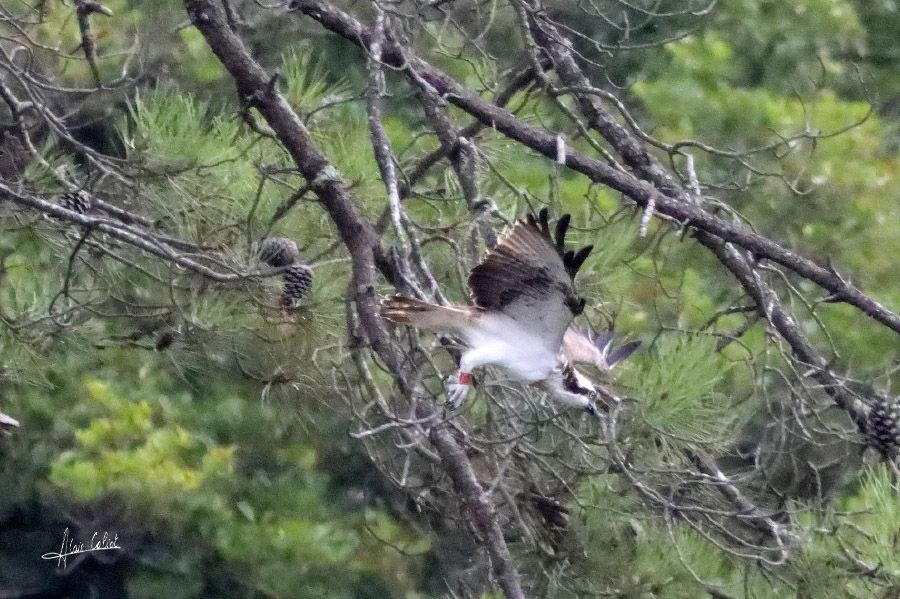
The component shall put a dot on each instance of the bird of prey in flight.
(522, 303)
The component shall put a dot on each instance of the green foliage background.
(224, 482)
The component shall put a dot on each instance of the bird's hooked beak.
(603, 400)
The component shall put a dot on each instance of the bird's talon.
(592, 410)
(456, 394)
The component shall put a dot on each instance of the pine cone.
(297, 281)
(883, 426)
(76, 201)
(277, 251)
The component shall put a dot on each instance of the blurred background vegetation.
(209, 429)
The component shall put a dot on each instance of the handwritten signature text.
(70, 547)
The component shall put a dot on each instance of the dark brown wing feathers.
(574, 263)
(562, 225)
(572, 260)
(520, 264)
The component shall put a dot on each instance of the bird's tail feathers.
(610, 354)
(423, 315)
(621, 352)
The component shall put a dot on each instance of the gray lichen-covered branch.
(257, 88)
(636, 189)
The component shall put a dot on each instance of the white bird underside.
(502, 341)
(492, 337)
(523, 300)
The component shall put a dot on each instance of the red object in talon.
(465, 378)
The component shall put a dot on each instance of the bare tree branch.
(642, 162)
(638, 191)
(519, 81)
(84, 9)
(357, 234)
(153, 243)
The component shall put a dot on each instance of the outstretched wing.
(581, 344)
(423, 315)
(529, 277)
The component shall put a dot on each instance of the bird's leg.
(607, 401)
(457, 386)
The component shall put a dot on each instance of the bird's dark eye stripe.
(570, 382)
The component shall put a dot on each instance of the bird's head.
(590, 394)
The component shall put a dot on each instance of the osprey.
(523, 301)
